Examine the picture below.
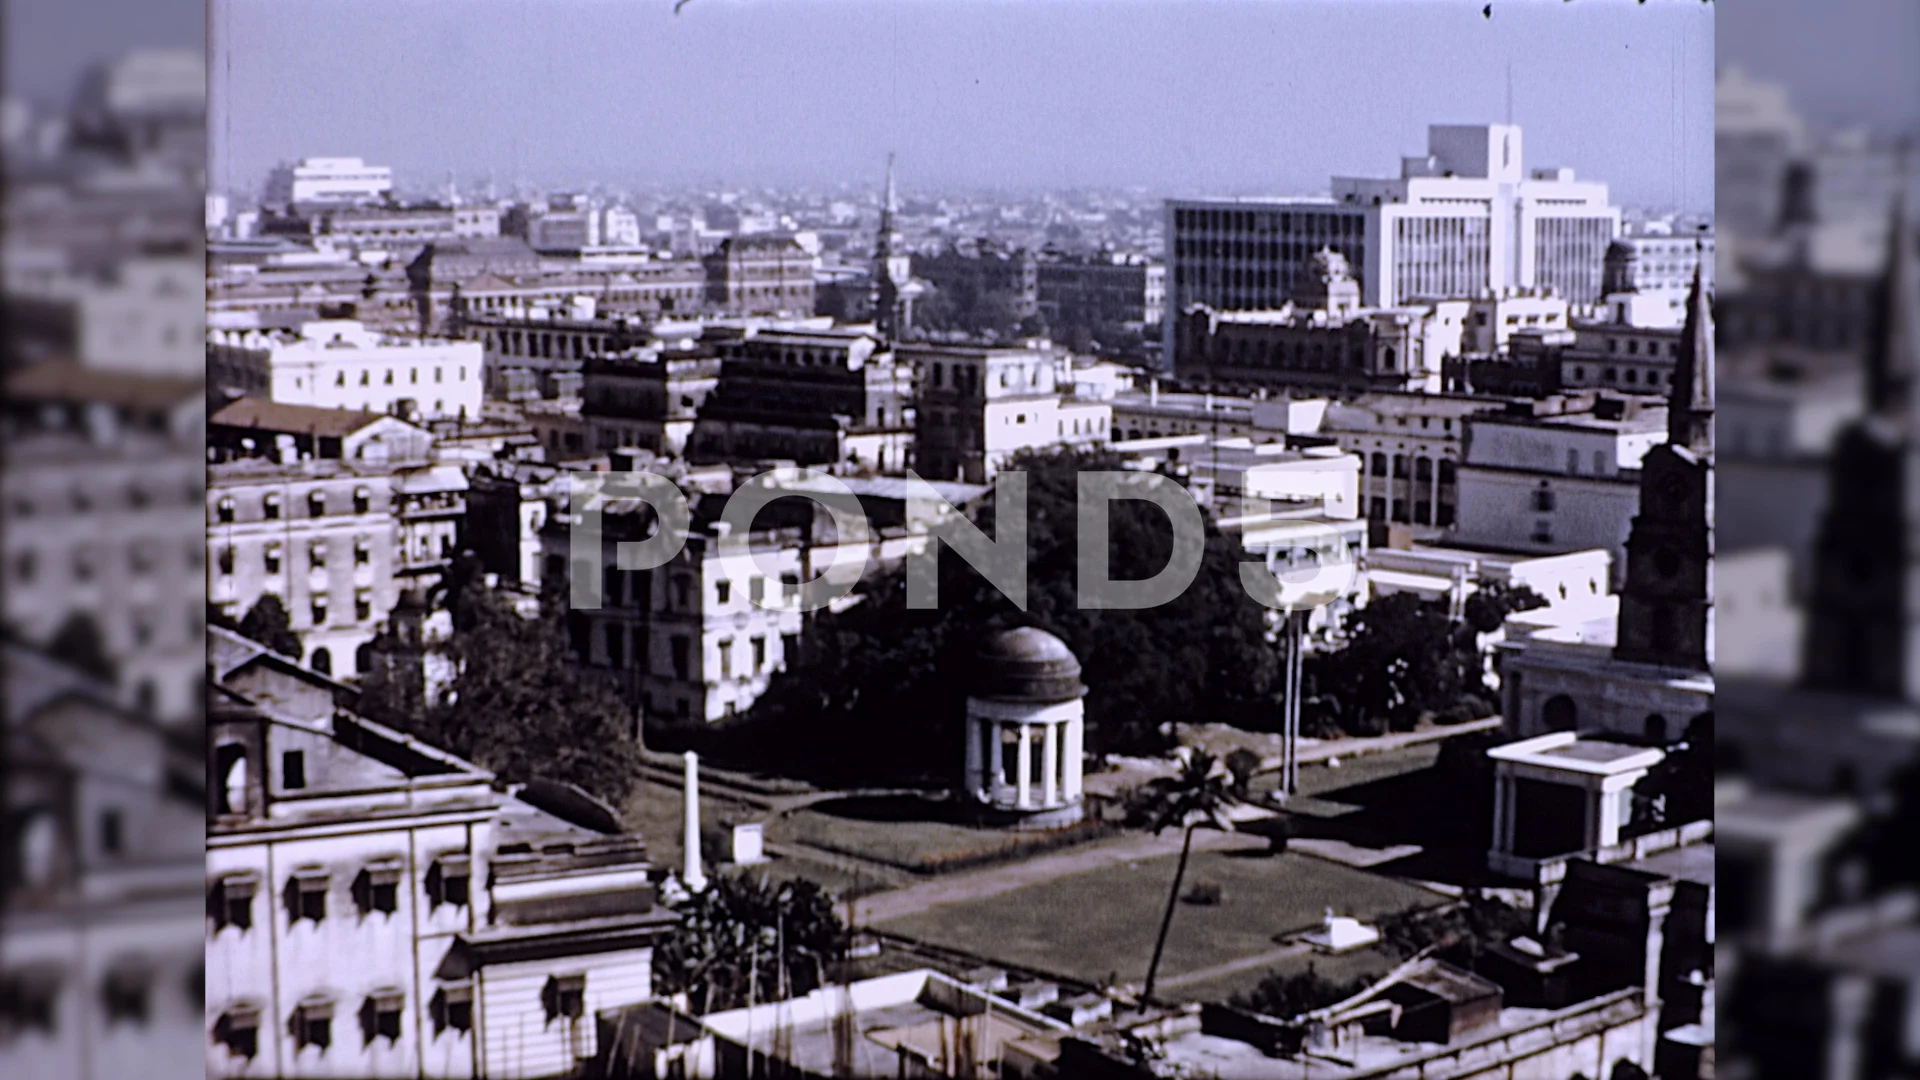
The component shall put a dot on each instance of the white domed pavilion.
(1025, 731)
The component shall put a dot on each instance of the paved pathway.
(992, 881)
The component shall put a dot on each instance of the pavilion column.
(974, 765)
(1070, 768)
(1025, 762)
(998, 767)
(1050, 765)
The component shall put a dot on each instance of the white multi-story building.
(1410, 448)
(619, 227)
(344, 364)
(1462, 219)
(140, 318)
(1567, 480)
(327, 181)
(103, 955)
(378, 908)
(103, 491)
(322, 536)
(1155, 413)
(980, 407)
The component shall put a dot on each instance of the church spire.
(1690, 396)
(891, 206)
(1893, 357)
(891, 268)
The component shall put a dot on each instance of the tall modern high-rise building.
(1460, 221)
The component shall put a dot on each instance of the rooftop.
(261, 414)
(72, 382)
(1564, 751)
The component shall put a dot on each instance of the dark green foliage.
(1403, 662)
(518, 707)
(1459, 932)
(1241, 765)
(267, 622)
(1287, 996)
(80, 644)
(1679, 789)
(1490, 605)
(881, 692)
(743, 936)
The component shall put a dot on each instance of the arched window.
(1388, 358)
(322, 661)
(1423, 468)
(39, 840)
(1379, 463)
(363, 658)
(1399, 466)
(1559, 713)
(230, 767)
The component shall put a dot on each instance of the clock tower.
(1863, 616)
(1666, 606)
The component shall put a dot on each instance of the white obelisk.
(692, 876)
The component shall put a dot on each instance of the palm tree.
(1197, 795)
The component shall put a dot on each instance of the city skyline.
(819, 106)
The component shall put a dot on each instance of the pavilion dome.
(1027, 665)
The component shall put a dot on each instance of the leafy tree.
(517, 706)
(880, 691)
(79, 642)
(1462, 931)
(1680, 788)
(1198, 795)
(1241, 765)
(268, 623)
(744, 937)
(1287, 996)
(1404, 661)
(1487, 609)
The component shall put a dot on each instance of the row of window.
(1278, 354)
(1422, 467)
(1631, 378)
(413, 376)
(137, 497)
(28, 999)
(271, 560)
(375, 889)
(85, 564)
(272, 504)
(1420, 512)
(1264, 222)
(311, 1023)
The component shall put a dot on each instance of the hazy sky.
(1846, 61)
(1174, 96)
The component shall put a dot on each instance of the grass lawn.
(655, 811)
(1097, 925)
(1369, 963)
(921, 846)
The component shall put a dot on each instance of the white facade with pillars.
(1043, 745)
(1602, 773)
